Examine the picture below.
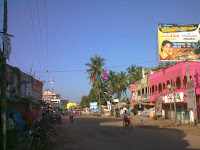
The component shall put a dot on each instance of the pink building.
(133, 95)
(176, 77)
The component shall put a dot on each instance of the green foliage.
(134, 74)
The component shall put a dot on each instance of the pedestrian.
(11, 132)
(141, 118)
(71, 114)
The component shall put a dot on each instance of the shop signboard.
(177, 42)
(37, 89)
(26, 90)
(93, 106)
(177, 96)
(158, 104)
(191, 98)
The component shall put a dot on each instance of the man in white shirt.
(71, 114)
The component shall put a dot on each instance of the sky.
(65, 35)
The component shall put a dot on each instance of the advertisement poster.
(176, 42)
(26, 90)
(191, 98)
(158, 104)
(37, 89)
(94, 106)
(177, 96)
(13, 82)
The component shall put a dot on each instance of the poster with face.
(177, 42)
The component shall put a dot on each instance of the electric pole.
(3, 85)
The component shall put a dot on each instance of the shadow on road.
(89, 133)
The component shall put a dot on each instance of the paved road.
(97, 133)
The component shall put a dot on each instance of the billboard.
(177, 96)
(94, 106)
(176, 42)
(26, 90)
(191, 98)
(158, 104)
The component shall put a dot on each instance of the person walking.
(71, 114)
(141, 118)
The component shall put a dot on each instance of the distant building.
(54, 99)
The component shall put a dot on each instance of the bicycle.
(126, 124)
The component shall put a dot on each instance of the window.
(184, 82)
(150, 91)
(178, 83)
(164, 87)
(160, 88)
(138, 93)
(168, 82)
(142, 91)
(156, 88)
(153, 89)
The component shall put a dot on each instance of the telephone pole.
(3, 84)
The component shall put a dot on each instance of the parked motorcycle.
(36, 139)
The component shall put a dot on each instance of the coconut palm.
(95, 68)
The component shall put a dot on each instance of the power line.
(106, 67)
(47, 40)
(34, 33)
(40, 33)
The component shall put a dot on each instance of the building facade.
(169, 84)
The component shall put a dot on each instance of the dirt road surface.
(98, 133)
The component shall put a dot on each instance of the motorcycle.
(36, 140)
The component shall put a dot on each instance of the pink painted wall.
(177, 70)
(132, 88)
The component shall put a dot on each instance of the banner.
(158, 104)
(176, 42)
(93, 106)
(191, 98)
(7, 46)
(177, 96)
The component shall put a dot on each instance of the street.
(100, 133)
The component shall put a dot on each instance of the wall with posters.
(177, 41)
(12, 83)
(26, 90)
(37, 89)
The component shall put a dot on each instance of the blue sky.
(122, 32)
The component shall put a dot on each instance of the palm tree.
(95, 68)
(134, 74)
(121, 84)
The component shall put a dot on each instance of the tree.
(95, 68)
(134, 74)
(84, 102)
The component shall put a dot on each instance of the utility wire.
(40, 33)
(106, 67)
(34, 33)
(47, 46)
